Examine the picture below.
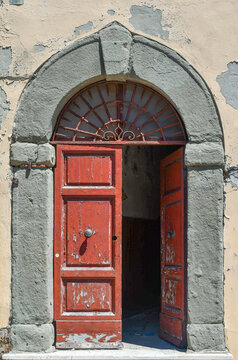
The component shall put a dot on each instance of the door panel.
(88, 263)
(173, 249)
(95, 250)
(89, 295)
(172, 315)
(89, 170)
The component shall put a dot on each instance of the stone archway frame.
(114, 53)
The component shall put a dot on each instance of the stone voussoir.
(116, 43)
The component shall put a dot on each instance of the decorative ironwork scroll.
(119, 112)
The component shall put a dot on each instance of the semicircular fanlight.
(119, 112)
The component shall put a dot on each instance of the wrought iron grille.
(119, 112)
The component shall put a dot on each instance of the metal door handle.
(88, 233)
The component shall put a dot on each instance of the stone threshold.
(123, 354)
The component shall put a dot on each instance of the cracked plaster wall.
(196, 29)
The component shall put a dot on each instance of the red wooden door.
(172, 315)
(87, 254)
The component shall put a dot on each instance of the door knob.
(88, 233)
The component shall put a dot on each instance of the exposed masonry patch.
(83, 28)
(4, 105)
(148, 20)
(228, 82)
(39, 47)
(5, 60)
(111, 12)
(5, 346)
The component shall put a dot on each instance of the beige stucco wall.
(203, 32)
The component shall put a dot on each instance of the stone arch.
(114, 53)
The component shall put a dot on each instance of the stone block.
(46, 155)
(205, 246)
(22, 153)
(116, 44)
(32, 247)
(32, 338)
(204, 154)
(206, 337)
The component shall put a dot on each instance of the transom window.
(119, 112)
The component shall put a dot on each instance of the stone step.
(122, 354)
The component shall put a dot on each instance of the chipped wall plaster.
(228, 82)
(149, 20)
(111, 12)
(39, 47)
(5, 60)
(83, 28)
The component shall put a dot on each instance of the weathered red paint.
(172, 315)
(87, 270)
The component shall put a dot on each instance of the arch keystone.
(116, 44)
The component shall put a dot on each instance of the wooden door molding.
(87, 252)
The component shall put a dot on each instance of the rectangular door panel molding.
(87, 248)
(88, 170)
(95, 250)
(89, 296)
(171, 214)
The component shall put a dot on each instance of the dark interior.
(141, 230)
(141, 283)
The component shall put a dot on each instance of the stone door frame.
(114, 53)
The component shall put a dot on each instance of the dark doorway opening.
(141, 286)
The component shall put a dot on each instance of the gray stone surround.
(114, 53)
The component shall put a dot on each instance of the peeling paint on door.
(88, 271)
